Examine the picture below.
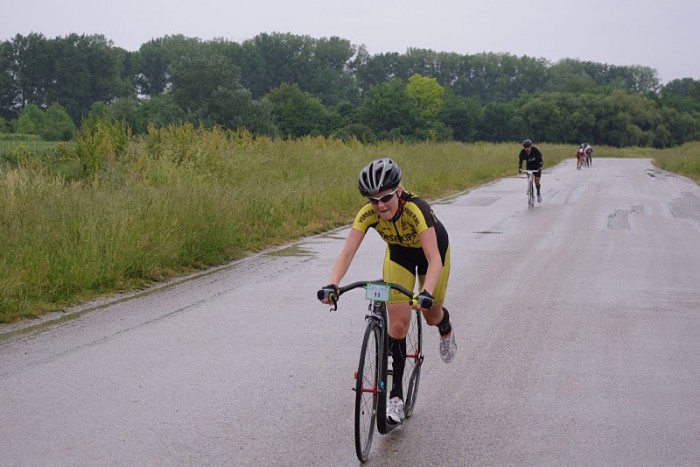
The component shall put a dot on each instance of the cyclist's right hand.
(328, 294)
(423, 300)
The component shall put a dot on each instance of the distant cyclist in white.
(588, 151)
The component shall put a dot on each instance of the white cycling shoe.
(394, 412)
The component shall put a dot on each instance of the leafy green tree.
(255, 75)
(681, 94)
(427, 94)
(54, 124)
(196, 78)
(676, 128)
(158, 111)
(58, 126)
(98, 111)
(497, 77)
(125, 109)
(321, 67)
(299, 113)
(31, 120)
(280, 58)
(662, 136)
(5, 126)
(235, 109)
(73, 71)
(156, 57)
(259, 117)
(86, 69)
(8, 86)
(389, 111)
(27, 61)
(176, 79)
(330, 78)
(569, 76)
(498, 124)
(376, 69)
(461, 115)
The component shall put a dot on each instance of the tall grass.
(113, 213)
(684, 160)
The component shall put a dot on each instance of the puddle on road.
(686, 207)
(333, 236)
(620, 218)
(657, 173)
(294, 250)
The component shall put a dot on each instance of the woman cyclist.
(417, 245)
(533, 161)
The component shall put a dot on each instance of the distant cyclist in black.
(533, 161)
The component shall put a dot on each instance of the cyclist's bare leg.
(434, 315)
(537, 184)
(399, 319)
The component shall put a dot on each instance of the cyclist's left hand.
(424, 300)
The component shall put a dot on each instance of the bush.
(54, 124)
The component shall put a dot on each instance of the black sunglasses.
(384, 199)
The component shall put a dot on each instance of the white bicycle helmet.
(379, 175)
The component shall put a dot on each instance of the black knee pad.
(444, 326)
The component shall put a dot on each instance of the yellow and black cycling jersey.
(405, 259)
(414, 216)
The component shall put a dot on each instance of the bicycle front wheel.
(367, 390)
(530, 195)
(414, 361)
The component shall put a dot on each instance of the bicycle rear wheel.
(367, 390)
(414, 361)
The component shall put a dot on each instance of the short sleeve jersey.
(415, 217)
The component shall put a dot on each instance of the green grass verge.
(111, 213)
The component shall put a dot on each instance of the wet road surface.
(577, 321)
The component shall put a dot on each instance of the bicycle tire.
(367, 389)
(414, 361)
(530, 194)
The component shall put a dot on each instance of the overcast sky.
(661, 34)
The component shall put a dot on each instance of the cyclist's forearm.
(432, 276)
(342, 263)
(340, 268)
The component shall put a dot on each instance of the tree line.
(289, 86)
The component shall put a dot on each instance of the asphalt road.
(577, 321)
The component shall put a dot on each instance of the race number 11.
(377, 292)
